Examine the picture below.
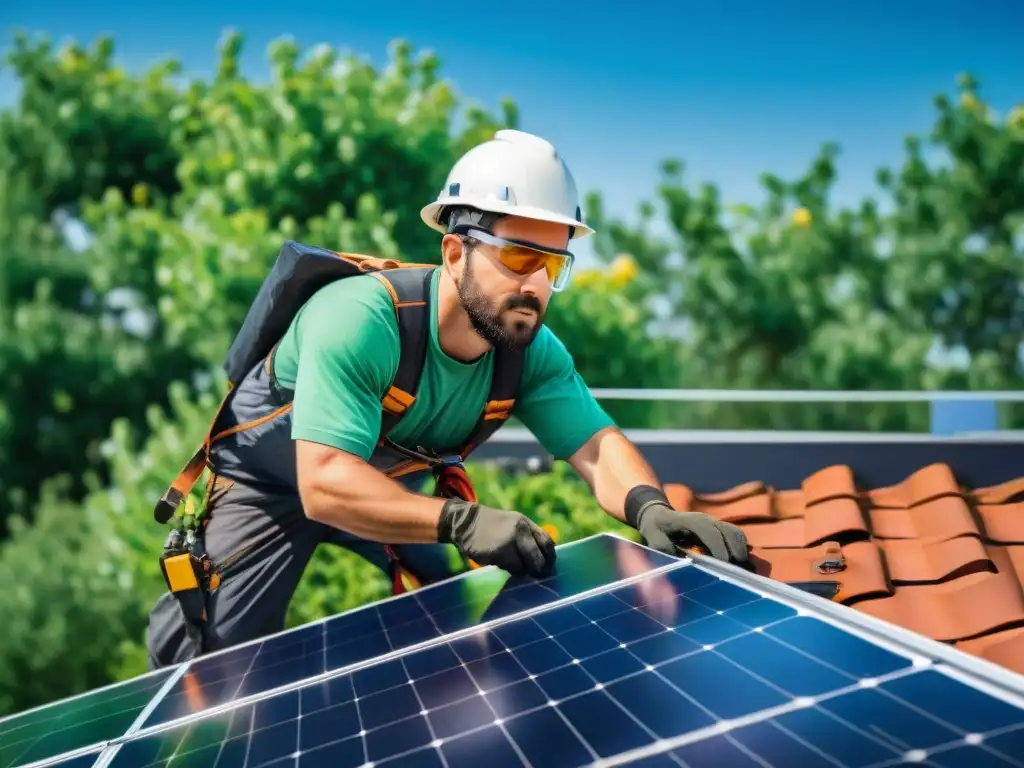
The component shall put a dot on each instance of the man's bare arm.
(620, 477)
(612, 466)
(343, 491)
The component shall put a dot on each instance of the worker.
(308, 454)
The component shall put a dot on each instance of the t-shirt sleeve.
(554, 402)
(347, 353)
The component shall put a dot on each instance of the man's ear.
(452, 254)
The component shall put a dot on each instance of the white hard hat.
(515, 174)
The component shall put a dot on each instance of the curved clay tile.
(957, 610)
(862, 575)
(1005, 648)
(914, 560)
(943, 518)
(835, 482)
(1003, 522)
(1009, 560)
(931, 482)
(750, 509)
(787, 504)
(1011, 490)
(828, 520)
(740, 508)
(753, 488)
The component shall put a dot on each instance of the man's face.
(507, 309)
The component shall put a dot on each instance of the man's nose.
(536, 283)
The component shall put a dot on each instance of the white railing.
(806, 395)
(951, 412)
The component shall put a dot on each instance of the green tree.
(796, 293)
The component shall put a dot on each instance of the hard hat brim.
(429, 214)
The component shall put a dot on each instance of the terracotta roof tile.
(1006, 648)
(931, 482)
(955, 610)
(1003, 523)
(921, 561)
(927, 554)
(863, 577)
(827, 520)
(942, 518)
(750, 501)
(1012, 490)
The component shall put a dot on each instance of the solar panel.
(392, 625)
(637, 659)
(77, 722)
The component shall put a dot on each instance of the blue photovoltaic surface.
(396, 624)
(681, 668)
(76, 723)
(606, 677)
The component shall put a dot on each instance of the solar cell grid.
(682, 667)
(395, 624)
(927, 717)
(674, 656)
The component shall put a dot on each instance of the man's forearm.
(357, 498)
(613, 466)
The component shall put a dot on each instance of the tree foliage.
(111, 340)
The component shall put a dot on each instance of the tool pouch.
(187, 575)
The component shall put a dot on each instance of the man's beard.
(487, 320)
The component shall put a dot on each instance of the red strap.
(453, 483)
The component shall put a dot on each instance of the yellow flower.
(969, 102)
(70, 59)
(623, 270)
(802, 218)
(140, 194)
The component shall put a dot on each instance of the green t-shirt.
(341, 353)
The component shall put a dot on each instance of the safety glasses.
(526, 258)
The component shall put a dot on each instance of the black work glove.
(663, 528)
(668, 530)
(509, 540)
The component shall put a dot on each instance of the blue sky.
(734, 88)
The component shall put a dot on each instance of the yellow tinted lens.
(526, 261)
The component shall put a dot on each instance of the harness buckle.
(448, 460)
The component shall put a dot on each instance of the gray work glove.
(488, 536)
(667, 530)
